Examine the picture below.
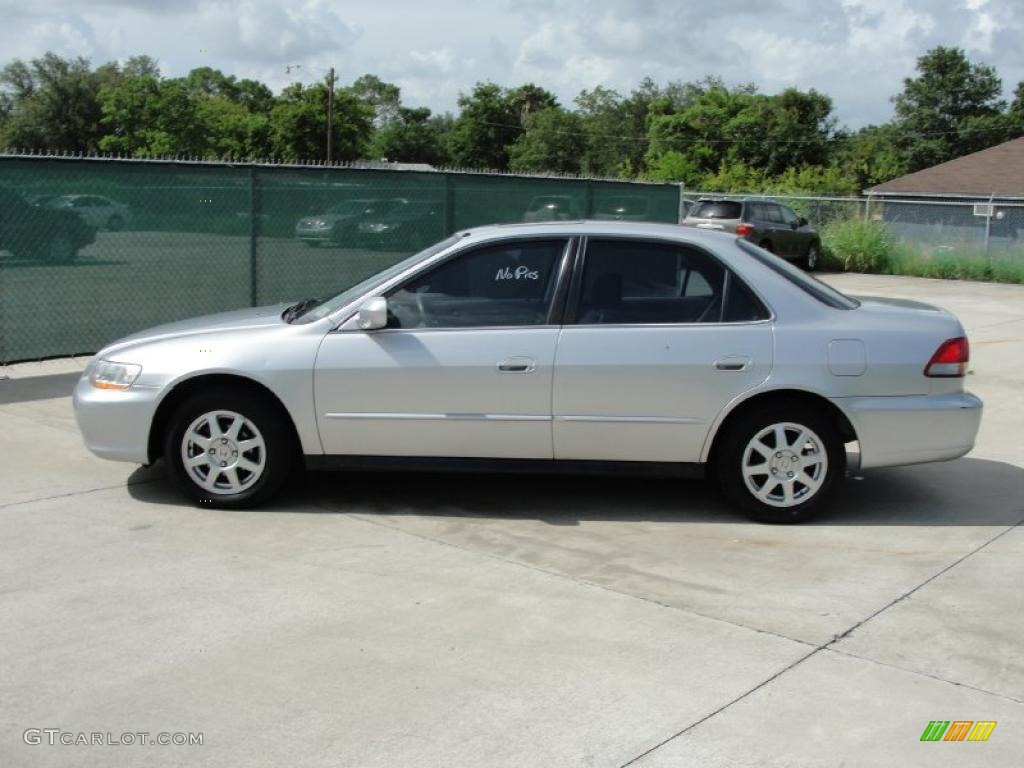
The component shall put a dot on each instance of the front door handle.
(517, 365)
(732, 363)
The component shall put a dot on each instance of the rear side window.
(741, 305)
(640, 282)
(716, 209)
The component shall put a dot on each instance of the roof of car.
(603, 227)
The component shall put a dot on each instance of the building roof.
(998, 171)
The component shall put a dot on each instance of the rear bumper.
(913, 429)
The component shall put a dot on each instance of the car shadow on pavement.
(967, 492)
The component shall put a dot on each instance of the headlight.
(111, 375)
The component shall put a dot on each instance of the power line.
(641, 138)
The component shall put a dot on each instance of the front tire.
(229, 449)
(58, 250)
(781, 463)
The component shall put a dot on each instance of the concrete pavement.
(436, 620)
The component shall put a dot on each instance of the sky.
(856, 51)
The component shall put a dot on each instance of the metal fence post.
(867, 209)
(254, 276)
(682, 202)
(988, 224)
(449, 204)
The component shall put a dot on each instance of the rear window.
(826, 294)
(718, 209)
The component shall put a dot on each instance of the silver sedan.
(562, 346)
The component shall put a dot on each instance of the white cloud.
(857, 51)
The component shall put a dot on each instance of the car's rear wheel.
(782, 462)
(811, 258)
(229, 449)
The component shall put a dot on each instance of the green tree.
(951, 108)
(383, 98)
(412, 136)
(871, 156)
(298, 124)
(552, 140)
(51, 103)
(487, 124)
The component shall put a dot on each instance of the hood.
(241, 319)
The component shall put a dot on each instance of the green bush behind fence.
(93, 249)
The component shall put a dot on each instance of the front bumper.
(913, 429)
(115, 424)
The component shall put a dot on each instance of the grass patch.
(854, 245)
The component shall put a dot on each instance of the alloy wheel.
(785, 464)
(223, 452)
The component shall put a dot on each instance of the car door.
(659, 338)
(782, 234)
(464, 368)
(799, 238)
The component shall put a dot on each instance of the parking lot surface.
(444, 620)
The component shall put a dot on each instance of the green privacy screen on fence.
(94, 249)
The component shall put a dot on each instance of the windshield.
(826, 294)
(720, 209)
(337, 301)
(350, 206)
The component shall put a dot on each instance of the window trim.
(576, 288)
(561, 273)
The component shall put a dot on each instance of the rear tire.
(229, 449)
(781, 462)
(811, 258)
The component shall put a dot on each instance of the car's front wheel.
(229, 449)
(782, 462)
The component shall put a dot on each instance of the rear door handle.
(517, 365)
(732, 363)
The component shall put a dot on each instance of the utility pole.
(330, 111)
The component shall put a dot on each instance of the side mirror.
(801, 222)
(373, 314)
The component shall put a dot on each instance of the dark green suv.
(770, 225)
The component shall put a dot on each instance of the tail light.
(950, 359)
(744, 229)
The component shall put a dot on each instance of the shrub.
(854, 245)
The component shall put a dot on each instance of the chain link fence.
(93, 249)
(968, 227)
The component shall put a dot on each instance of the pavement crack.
(918, 672)
(827, 646)
(125, 484)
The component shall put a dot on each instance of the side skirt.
(503, 466)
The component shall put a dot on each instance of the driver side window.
(636, 282)
(501, 285)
